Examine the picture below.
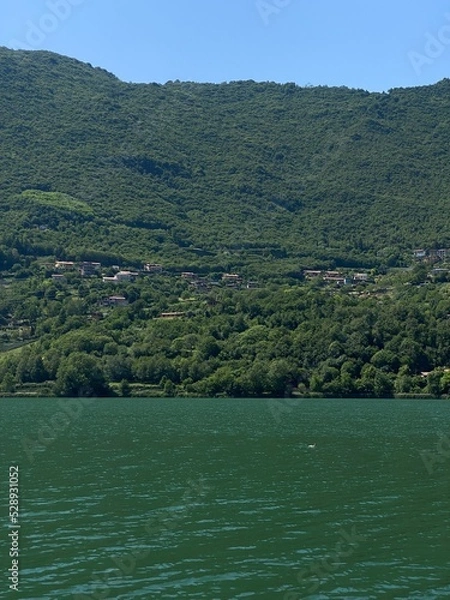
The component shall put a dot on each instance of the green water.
(223, 499)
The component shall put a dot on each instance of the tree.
(117, 367)
(385, 360)
(124, 388)
(280, 378)
(403, 382)
(152, 369)
(445, 382)
(223, 382)
(383, 386)
(434, 383)
(8, 383)
(80, 375)
(207, 348)
(169, 388)
(419, 274)
(253, 381)
(31, 367)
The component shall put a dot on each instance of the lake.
(219, 499)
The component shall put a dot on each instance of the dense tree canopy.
(250, 181)
(387, 338)
(256, 176)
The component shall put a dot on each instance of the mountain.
(241, 185)
(237, 175)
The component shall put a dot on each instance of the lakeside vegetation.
(297, 338)
(247, 189)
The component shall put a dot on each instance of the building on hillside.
(121, 277)
(334, 277)
(64, 265)
(153, 268)
(189, 275)
(311, 274)
(360, 278)
(90, 269)
(231, 279)
(126, 275)
(439, 254)
(432, 255)
(114, 301)
(200, 284)
(440, 272)
(419, 253)
(117, 301)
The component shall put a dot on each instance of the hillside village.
(66, 276)
(206, 240)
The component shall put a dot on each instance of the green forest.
(241, 239)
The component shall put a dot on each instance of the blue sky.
(375, 45)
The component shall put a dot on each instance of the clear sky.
(370, 44)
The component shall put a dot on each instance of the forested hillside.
(196, 173)
(241, 187)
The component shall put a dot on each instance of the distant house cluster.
(117, 275)
(94, 269)
(337, 277)
(85, 269)
(431, 255)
